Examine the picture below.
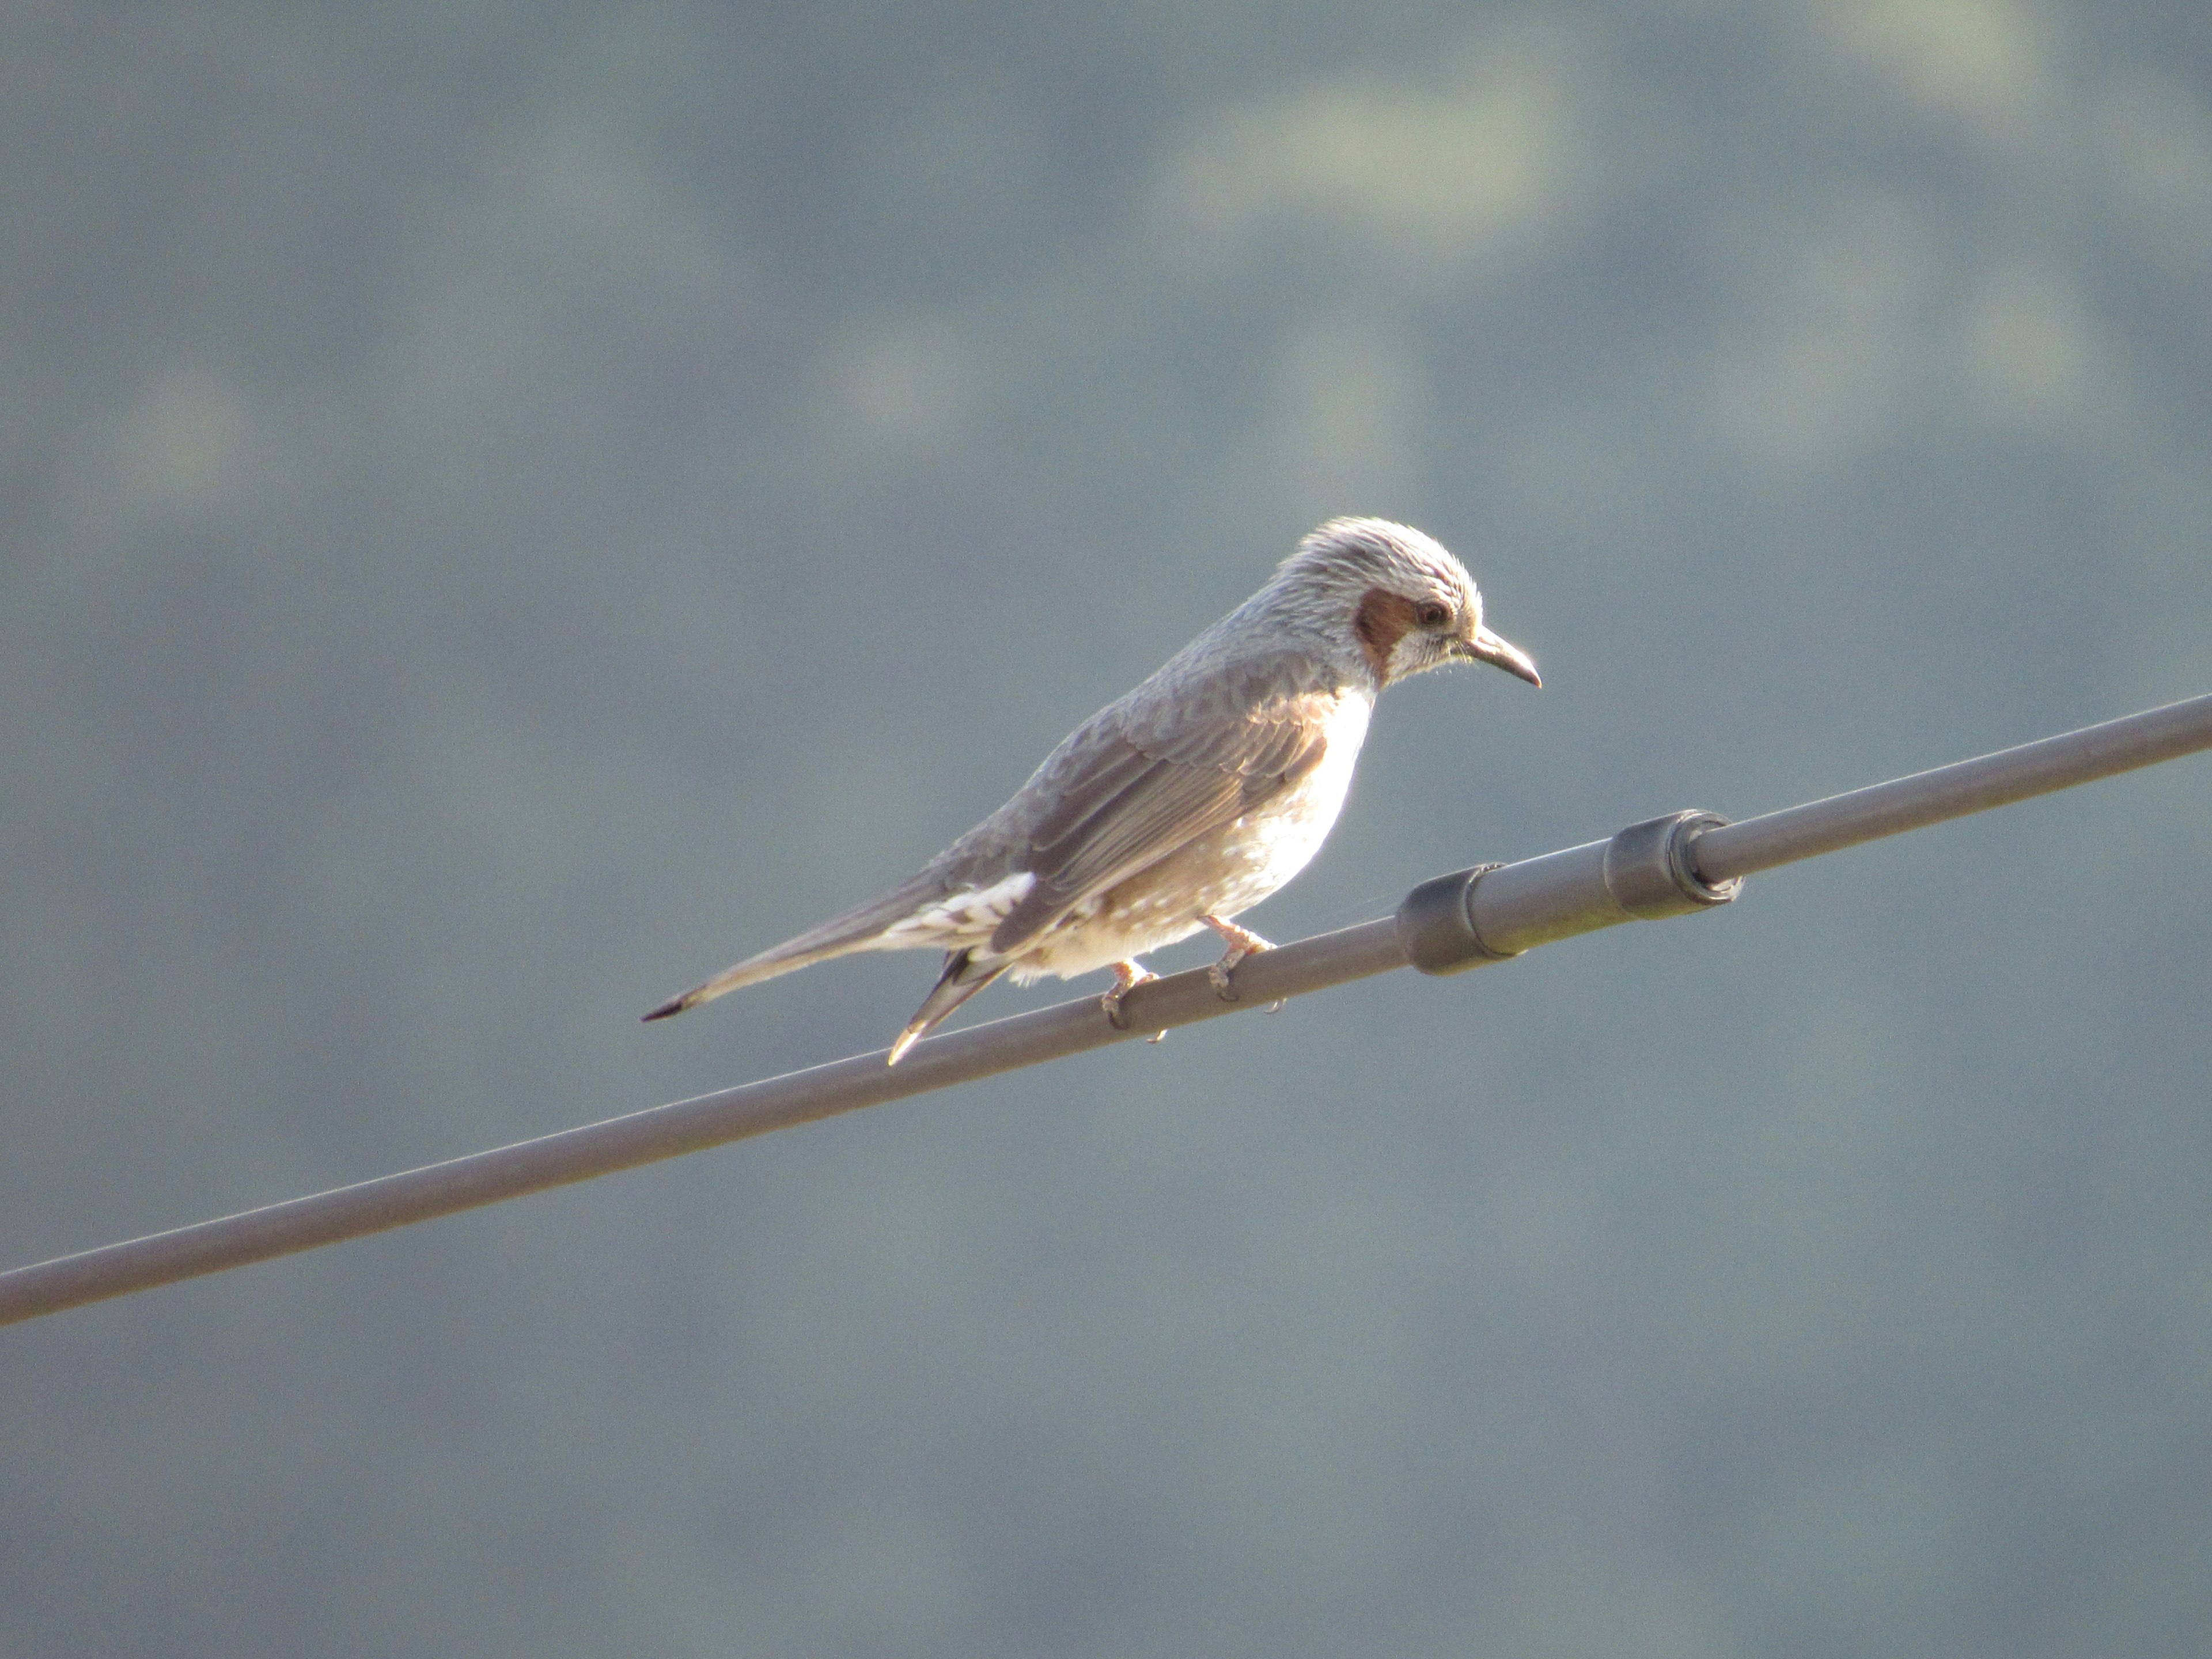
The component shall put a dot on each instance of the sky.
(506, 509)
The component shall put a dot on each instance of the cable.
(1674, 865)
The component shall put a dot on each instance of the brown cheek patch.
(1383, 618)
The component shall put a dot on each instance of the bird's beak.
(1486, 646)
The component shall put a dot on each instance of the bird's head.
(1404, 603)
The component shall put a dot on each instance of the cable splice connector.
(1494, 912)
(1652, 874)
(1436, 924)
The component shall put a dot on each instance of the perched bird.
(1190, 799)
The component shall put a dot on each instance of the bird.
(1186, 801)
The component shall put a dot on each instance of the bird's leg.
(1127, 976)
(1241, 942)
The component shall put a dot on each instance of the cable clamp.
(1651, 874)
(1436, 924)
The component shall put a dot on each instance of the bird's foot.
(1242, 942)
(1127, 976)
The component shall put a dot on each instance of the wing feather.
(1139, 798)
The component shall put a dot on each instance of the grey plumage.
(1187, 801)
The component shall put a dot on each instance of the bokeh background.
(509, 508)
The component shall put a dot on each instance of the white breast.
(1280, 838)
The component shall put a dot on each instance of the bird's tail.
(858, 929)
(961, 978)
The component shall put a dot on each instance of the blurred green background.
(510, 508)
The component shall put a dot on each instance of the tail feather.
(961, 980)
(857, 929)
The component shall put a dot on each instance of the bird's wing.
(1131, 799)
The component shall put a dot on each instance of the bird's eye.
(1433, 615)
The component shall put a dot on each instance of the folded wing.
(1137, 797)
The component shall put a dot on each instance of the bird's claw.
(1127, 976)
(1242, 942)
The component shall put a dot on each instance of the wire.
(1663, 867)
